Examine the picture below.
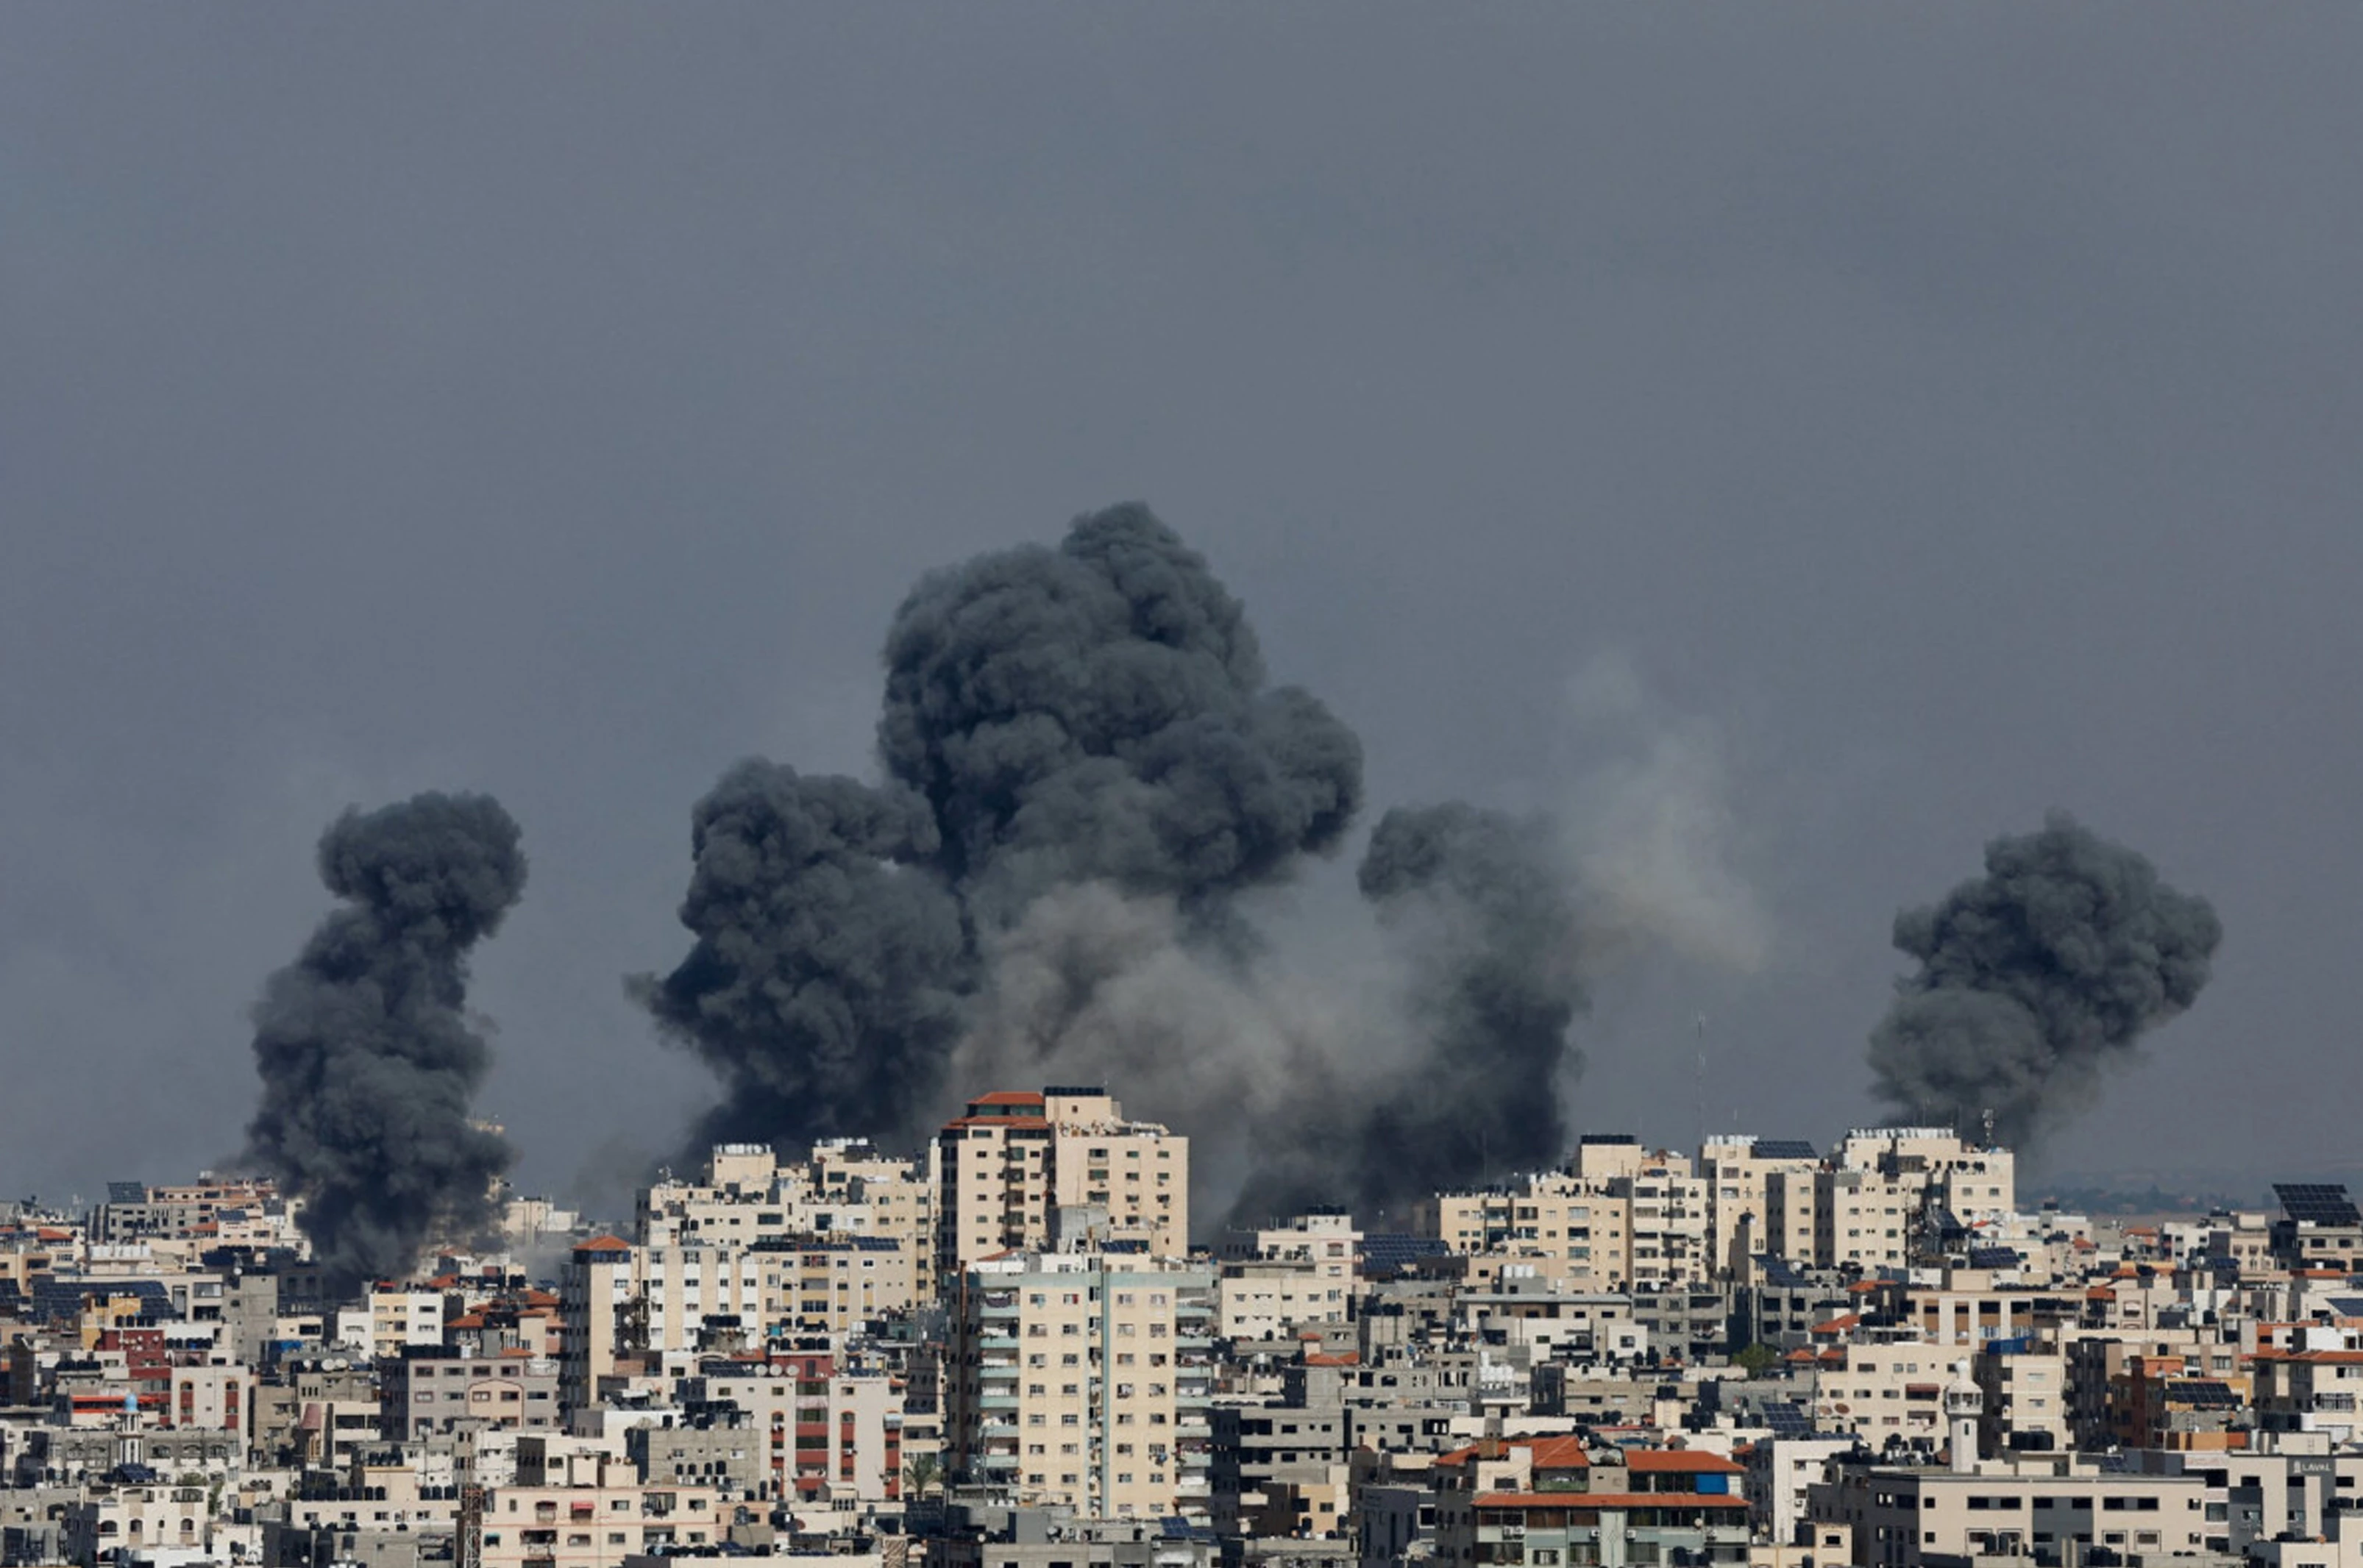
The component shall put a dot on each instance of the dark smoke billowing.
(1494, 984)
(2033, 979)
(1095, 712)
(1487, 933)
(366, 1055)
(830, 961)
(1098, 712)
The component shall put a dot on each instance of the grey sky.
(1912, 418)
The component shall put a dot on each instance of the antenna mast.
(1698, 1106)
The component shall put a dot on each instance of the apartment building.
(846, 1188)
(1325, 1239)
(1272, 1300)
(1549, 1501)
(2025, 1398)
(1862, 1220)
(1017, 1159)
(1574, 1219)
(1900, 1519)
(1738, 1171)
(1906, 1172)
(1670, 1216)
(590, 1510)
(820, 1285)
(398, 1317)
(1082, 1380)
(1880, 1391)
(810, 1424)
(431, 1389)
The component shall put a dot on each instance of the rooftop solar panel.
(1783, 1149)
(2316, 1203)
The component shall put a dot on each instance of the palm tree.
(922, 1474)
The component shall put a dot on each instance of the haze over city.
(1787, 454)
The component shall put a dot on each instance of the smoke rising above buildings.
(826, 981)
(1093, 714)
(1090, 795)
(2036, 978)
(367, 1057)
(1098, 712)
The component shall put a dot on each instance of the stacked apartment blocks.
(1006, 1349)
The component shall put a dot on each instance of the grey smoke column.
(1496, 988)
(825, 982)
(2035, 977)
(1488, 926)
(1092, 713)
(366, 1055)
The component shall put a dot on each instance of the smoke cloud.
(1096, 714)
(2034, 978)
(825, 982)
(1651, 831)
(1090, 798)
(1248, 1057)
(1490, 926)
(366, 1055)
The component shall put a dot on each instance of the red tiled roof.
(1839, 1325)
(604, 1245)
(1589, 1501)
(1661, 1459)
(1008, 1097)
(1560, 1453)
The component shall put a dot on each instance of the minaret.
(1963, 1404)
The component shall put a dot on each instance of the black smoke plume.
(1098, 712)
(1095, 712)
(367, 1057)
(2034, 978)
(826, 983)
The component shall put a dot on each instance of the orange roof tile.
(604, 1245)
(1592, 1501)
(1658, 1459)
(1560, 1453)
